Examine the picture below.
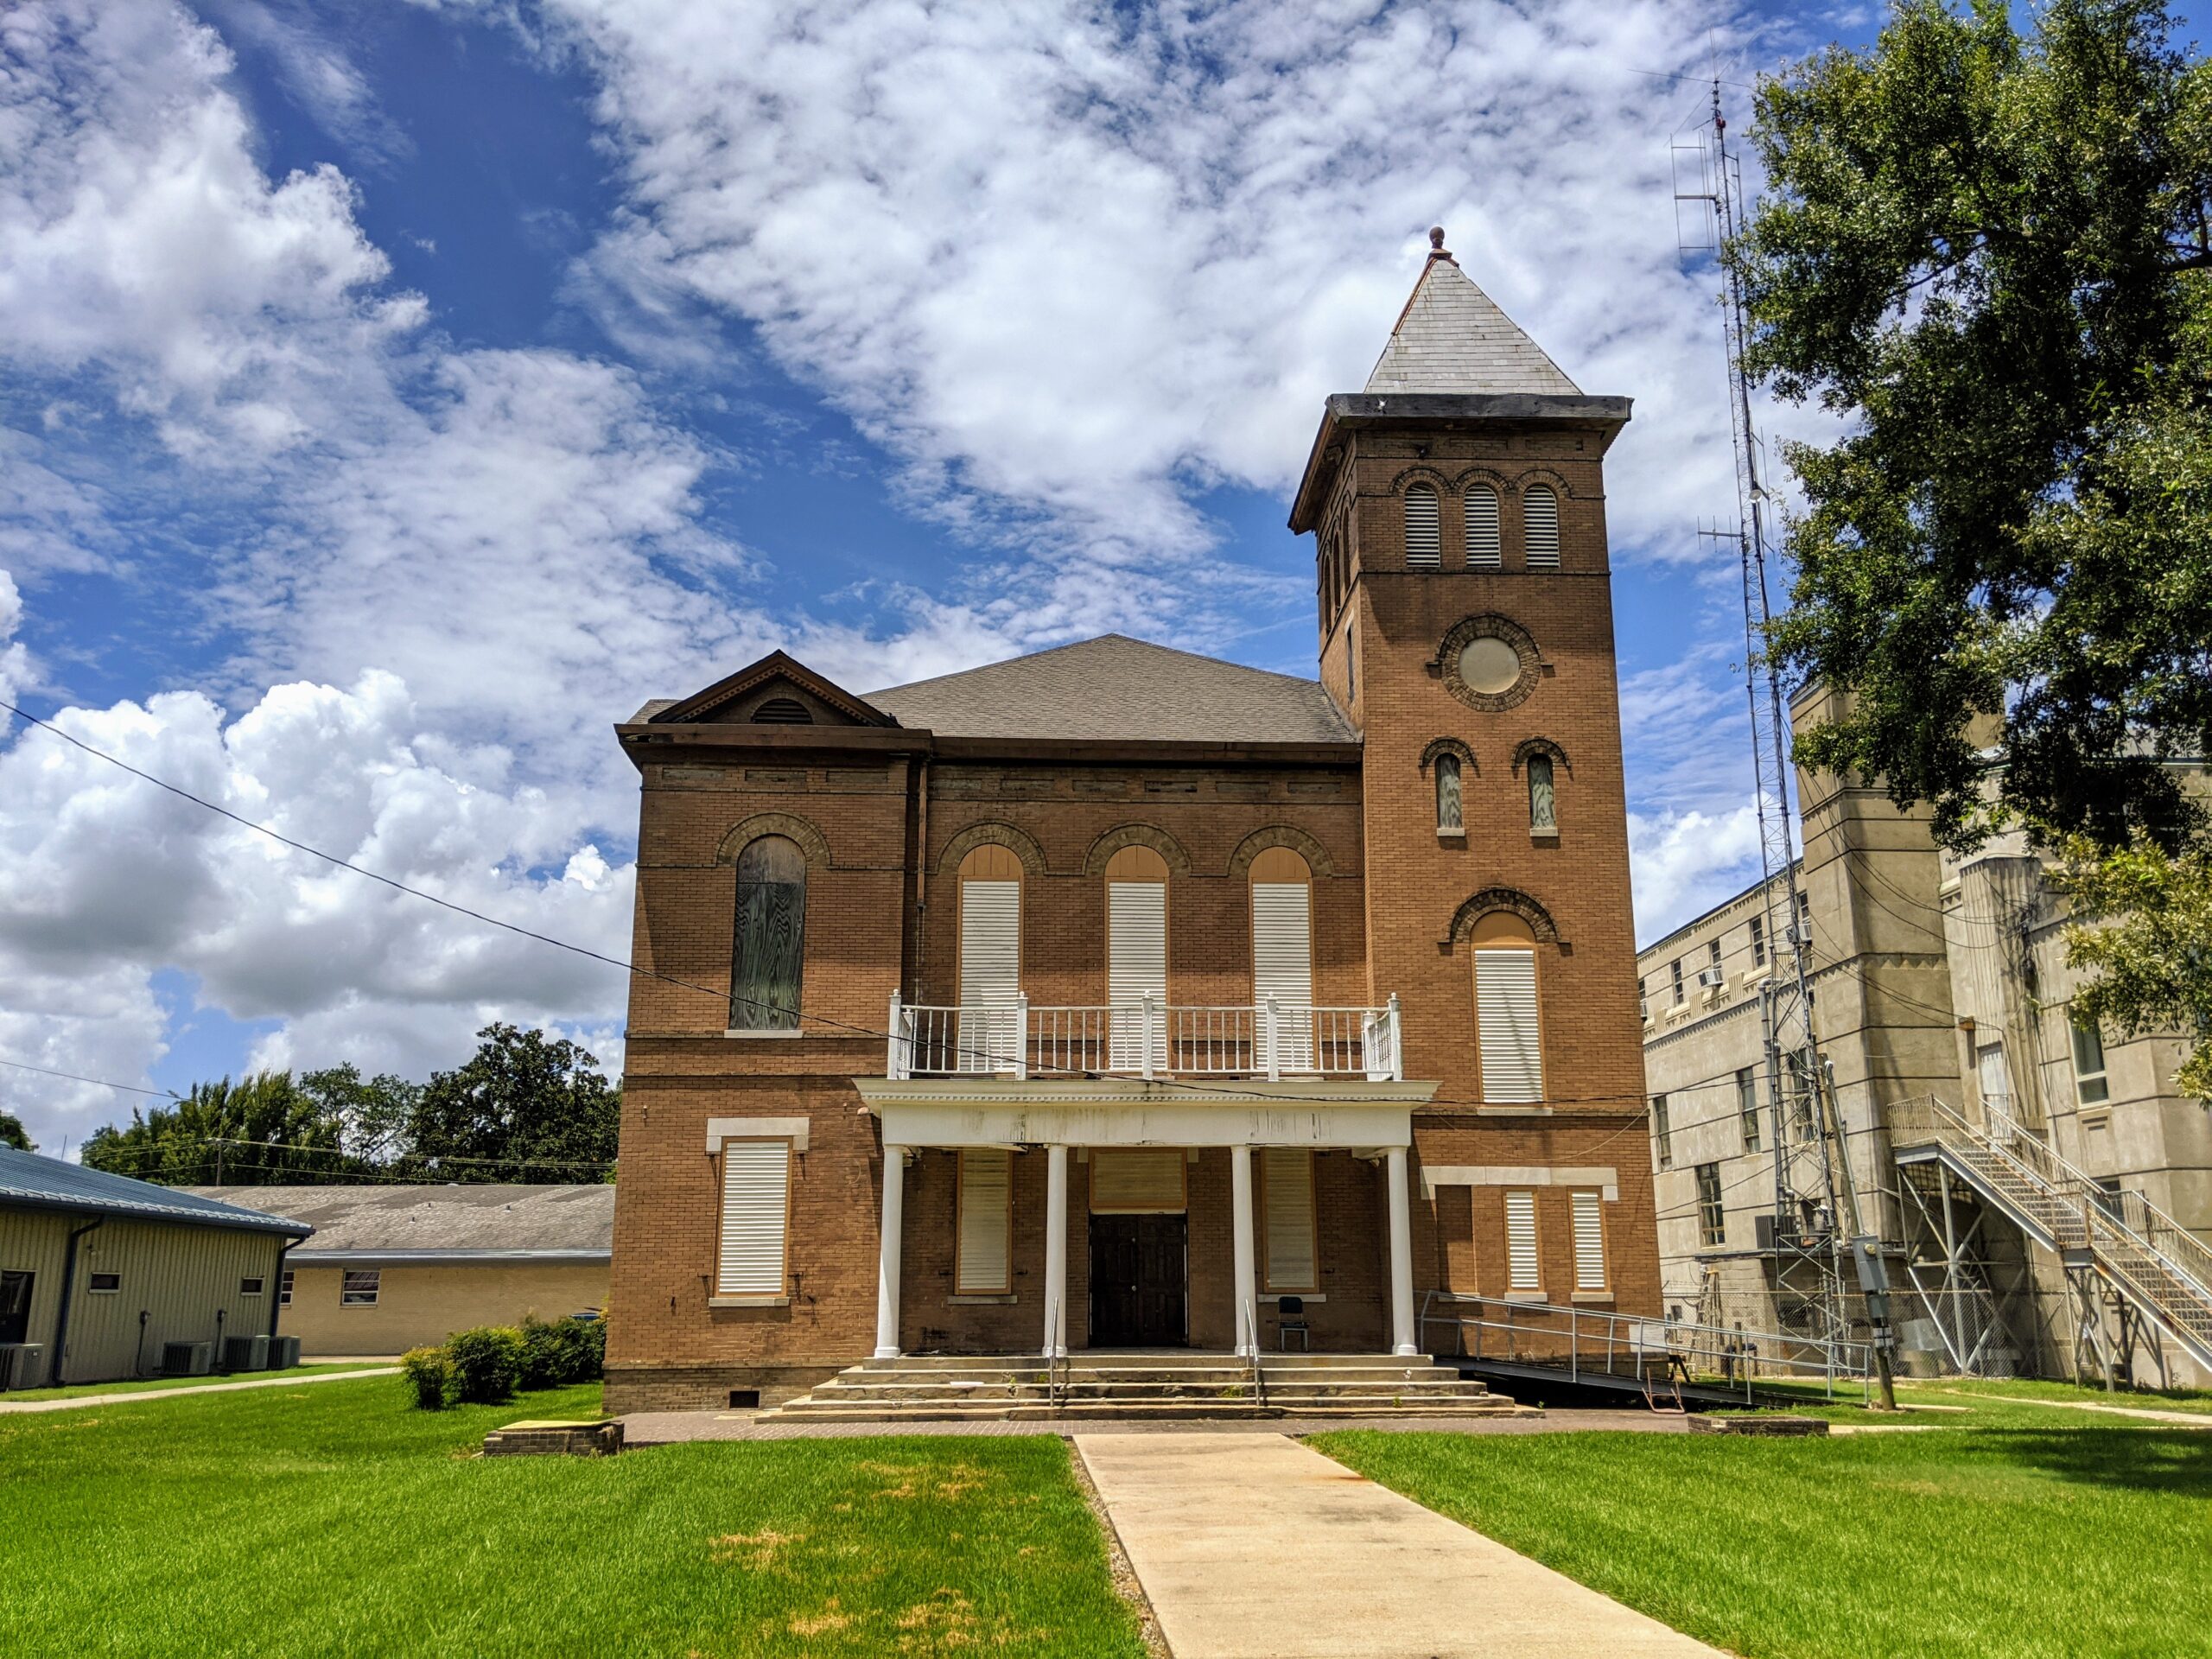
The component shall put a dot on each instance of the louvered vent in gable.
(1424, 541)
(1481, 529)
(1540, 526)
(783, 711)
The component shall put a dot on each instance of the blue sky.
(396, 395)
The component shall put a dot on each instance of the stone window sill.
(763, 1034)
(1524, 1296)
(1451, 835)
(748, 1301)
(1308, 1297)
(1513, 1112)
(1605, 1296)
(1543, 835)
(981, 1300)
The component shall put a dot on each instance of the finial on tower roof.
(1436, 248)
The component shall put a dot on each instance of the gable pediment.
(779, 691)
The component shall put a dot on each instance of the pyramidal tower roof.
(1452, 337)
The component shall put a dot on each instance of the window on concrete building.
(1424, 538)
(990, 959)
(750, 1255)
(1523, 1269)
(1136, 955)
(1589, 1238)
(1758, 941)
(251, 1285)
(1481, 513)
(1509, 1034)
(986, 1222)
(1282, 958)
(1663, 1139)
(1995, 1076)
(1674, 970)
(1540, 526)
(1711, 1216)
(103, 1284)
(284, 1289)
(2091, 1087)
(1747, 1106)
(358, 1288)
(1287, 1202)
(1805, 920)
(1712, 953)
(766, 962)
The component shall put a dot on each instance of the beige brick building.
(1109, 996)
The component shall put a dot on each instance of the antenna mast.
(1810, 1231)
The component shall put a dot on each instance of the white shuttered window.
(756, 1206)
(1424, 543)
(1282, 967)
(1288, 1176)
(1505, 1010)
(1481, 529)
(1521, 1271)
(1136, 964)
(1540, 526)
(986, 1216)
(1589, 1241)
(990, 972)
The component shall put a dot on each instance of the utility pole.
(1811, 1229)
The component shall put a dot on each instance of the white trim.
(793, 1130)
(1599, 1175)
(1178, 1123)
(749, 1301)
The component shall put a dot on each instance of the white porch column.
(887, 1256)
(1247, 1310)
(1402, 1255)
(1056, 1250)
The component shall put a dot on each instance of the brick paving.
(642, 1428)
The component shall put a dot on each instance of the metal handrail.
(1148, 1038)
(1640, 1348)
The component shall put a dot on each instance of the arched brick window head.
(1424, 529)
(768, 956)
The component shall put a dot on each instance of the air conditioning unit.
(187, 1358)
(246, 1353)
(283, 1353)
(1712, 978)
(22, 1364)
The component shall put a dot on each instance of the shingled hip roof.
(49, 1184)
(1114, 688)
(1452, 337)
(395, 1225)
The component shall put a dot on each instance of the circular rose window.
(1488, 662)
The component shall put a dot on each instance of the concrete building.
(1115, 996)
(400, 1267)
(1940, 980)
(100, 1273)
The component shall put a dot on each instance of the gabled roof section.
(1116, 689)
(494, 1220)
(728, 699)
(50, 1183)
(1452, 337)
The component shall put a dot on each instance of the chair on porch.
(1290, 1316)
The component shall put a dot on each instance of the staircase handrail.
(2127, 1217)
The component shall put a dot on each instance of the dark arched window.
(771, 945)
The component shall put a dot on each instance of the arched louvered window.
(1451, 814)
(1540, 526)
(783, 711)
(990, 959)
(1136, 950)
(1481, 529)
(1424, 536)
(768, 958)
(1509, 1039)
(1282, 958)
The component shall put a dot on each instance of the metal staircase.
(2158, 1267)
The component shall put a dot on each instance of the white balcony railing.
(1146, 1038)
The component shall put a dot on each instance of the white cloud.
(1684, 863)
(15, 659)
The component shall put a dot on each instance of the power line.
(101, 1083)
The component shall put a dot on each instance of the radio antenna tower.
(1812, 1233)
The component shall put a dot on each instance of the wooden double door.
(1140, 1281)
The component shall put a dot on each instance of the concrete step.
(896, 1392)
(811, 1410)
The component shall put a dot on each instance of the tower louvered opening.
(1540, 526)
(1424, 538)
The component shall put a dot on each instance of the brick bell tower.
(1458, 503)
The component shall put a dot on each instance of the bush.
(429, 1376)
(486, 1364)
(562, 1352)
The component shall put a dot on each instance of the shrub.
(487, 1363)
(429, 1376)
(561, 1350)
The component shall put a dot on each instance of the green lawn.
(141, 1384)
(2196, 1399)
(334, 1520)
(2046, 1533)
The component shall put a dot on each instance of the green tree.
(2141, 920)
(257, 1132)
(372, 1113)
(13, 1134)
(1990, 249)
(526, 1106)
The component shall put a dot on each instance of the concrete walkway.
(127, 1398)
(1254, 1547)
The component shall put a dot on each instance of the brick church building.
(1109, 996)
